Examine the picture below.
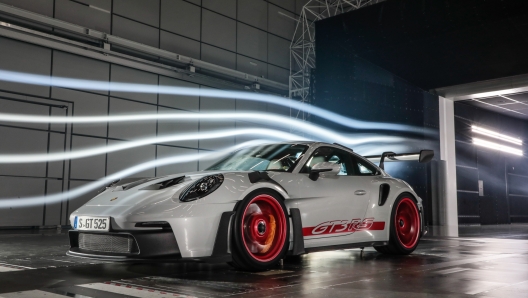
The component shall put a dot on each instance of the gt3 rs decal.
(344, 226)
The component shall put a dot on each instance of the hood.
(158, 190)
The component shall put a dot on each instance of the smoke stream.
(73, 193)
(31, 158)
(26, 78)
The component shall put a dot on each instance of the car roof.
(313, 143)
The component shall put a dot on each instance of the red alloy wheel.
(407, 223)
(263, 228)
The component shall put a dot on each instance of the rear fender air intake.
(383, 193)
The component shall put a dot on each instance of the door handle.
(360, 192)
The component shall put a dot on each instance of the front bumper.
(152, 244)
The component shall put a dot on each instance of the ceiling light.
(496, 146)
(496, 135)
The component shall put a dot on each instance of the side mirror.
(324, 168)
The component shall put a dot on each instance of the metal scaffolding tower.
(302, 47)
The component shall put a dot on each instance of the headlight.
(202, 187)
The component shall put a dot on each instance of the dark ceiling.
(515, 105)
(438, 43)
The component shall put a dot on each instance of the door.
(332, 206)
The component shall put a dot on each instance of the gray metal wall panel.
(123, 74)
(168, 128)
(181, 17)
(118, 161)
(166, 152)
(179, 44)
(218, 30)
(135, 31)
(26, 108)
(184, 102)
(23, 141)
(92, 167)
(85, 104)
(53, 209)
(197, 2)
(140, 10)
(279, 24)
(83, 15)
(218, 56)
(279, 110)
(286, 4)
(18, 187)
(103, 4)
(278, 74)
(278, 51)
(44, 7)
(225, 7)
(58, 112)
(252, 66)
(85, 68)
(299, 4)
(24, 57)
(211, 104)
(131, 130)
(251, 106)
(254, 13)
(56, 145)
(252, 42)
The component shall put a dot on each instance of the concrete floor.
(487, 261)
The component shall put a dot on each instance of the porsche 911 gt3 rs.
(255, 207)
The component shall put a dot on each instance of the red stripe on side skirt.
(333, 228)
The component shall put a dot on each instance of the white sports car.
(255, 207)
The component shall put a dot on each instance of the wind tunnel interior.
(390, 61)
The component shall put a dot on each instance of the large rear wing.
(423, 156)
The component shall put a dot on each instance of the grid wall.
(246, 35)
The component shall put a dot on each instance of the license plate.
(91, 223)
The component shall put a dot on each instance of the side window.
(365, 168)
(333, 155)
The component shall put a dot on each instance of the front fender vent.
(153, 224)
(164, 184)
(383, 193)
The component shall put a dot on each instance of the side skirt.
(346, 246)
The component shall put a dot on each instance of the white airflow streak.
(256, 132)
(26, 78)
(314, 132)
(79, 191)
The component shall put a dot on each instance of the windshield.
(278, 157)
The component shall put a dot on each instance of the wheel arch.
(264, 186)
(260, 187)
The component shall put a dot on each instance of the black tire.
(265, 221)
(401, 243)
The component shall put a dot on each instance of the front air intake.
(122, 244)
